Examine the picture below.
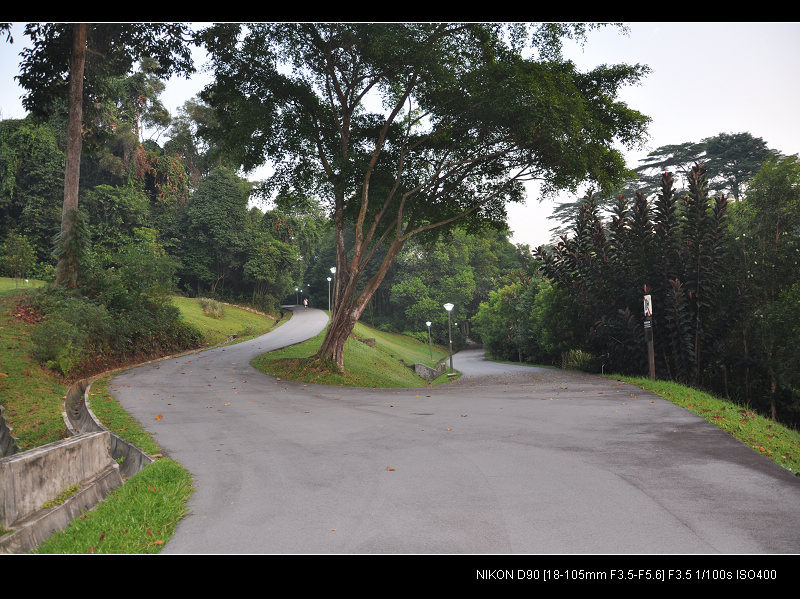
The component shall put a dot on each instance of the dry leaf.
(389, 468)
(159, 416)
(158, 542)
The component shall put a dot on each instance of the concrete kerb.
(45, 488)
(8, 443)
(79, 418)
(68, 476)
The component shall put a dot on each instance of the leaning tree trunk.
(348, 305)
(67, 267)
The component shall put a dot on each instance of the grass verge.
(140, 516)
(32, 397)
(243, 323)
(388, 364)
(772, 439)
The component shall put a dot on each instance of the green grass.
(385, 365)
(138, 517)
(111, 414)
(32, 397)
(779, 443)
(10, 285)
(236, 321)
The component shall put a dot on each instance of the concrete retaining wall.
(94, 460)
(30, 479)
(427, 372)
(79, 418)
(8, 443)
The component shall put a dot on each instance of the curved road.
(508, 459)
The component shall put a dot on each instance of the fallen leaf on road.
(389, 468)
(159, 417)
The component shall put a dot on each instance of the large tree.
(407, 128)
(72, 65)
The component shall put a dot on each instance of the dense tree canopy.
(75, 66)
(405, 128)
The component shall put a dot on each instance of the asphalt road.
(507, 460)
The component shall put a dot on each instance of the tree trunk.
(347, 308)
(67, 267)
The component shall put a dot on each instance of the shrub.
(212, 307)
(577, 359)
(421, 336)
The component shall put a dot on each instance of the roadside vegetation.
(772, 439)
(388, 364)
(140, 516)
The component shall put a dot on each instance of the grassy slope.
(236, 321)
(385, 365)
(140, 516)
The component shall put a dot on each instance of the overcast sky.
(707, 78)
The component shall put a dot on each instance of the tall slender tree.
(78, 61)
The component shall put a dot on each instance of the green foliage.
(723, 280)
(31, 182)
(467, 115)
(17, 255)
(499, 325)
(732, 160)
(120, 311)
(576, 359)
(215, 225)
(211, 308)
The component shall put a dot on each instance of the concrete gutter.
(8, 443)
(45, 488)
(79, 418)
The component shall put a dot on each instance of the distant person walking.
(305, 303)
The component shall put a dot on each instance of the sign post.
(648, 332)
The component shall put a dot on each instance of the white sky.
(707, 78)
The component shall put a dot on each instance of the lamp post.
(333, 274)
(296, 297)
(449, 308)
(329, 294)
(430, 344)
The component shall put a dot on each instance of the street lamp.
(329, 294)
(333, 274)
(449, 308)
(430, 344)
(296, 297)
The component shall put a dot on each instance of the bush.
(212, 307)
(421, 336)
(577, 359)
(71, 331)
